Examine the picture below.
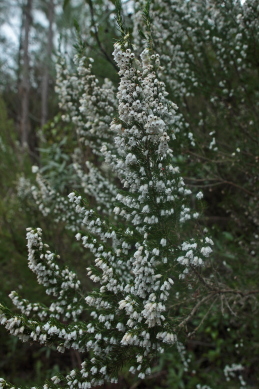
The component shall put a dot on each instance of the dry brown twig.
(203, 319)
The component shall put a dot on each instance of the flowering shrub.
(209, 67)
(135, 273)
(150, 251)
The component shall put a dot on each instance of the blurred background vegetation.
(33, 34)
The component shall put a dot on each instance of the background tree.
(25, 78)
(46, 67)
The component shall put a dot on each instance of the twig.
(202, 279)
(202, 321)
(230, 309)
(222, 305)
(233, 291)
(194, 310)
(96, 34)
(212, 293)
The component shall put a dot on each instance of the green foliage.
(12, 220)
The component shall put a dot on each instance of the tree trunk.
(20, 51)
(46, 69)
(25, 79)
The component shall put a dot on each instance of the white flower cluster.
(59, 282)
(98, 186)
(49, 201)
(63, 285)
(91, 108)
(88, 105)
(230, 370)
(136, 249)
(193, 41)
(194, 254)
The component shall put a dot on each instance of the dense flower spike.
(95, 184)
(197, 38)
(88, 105)
(49, 201)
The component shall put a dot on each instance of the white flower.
(163, 242)
(206, 251)
(199, 195)
(209, 241)
(35, 169)
(55, 379)
(71, 196)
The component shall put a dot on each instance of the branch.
(202, 279)
(96, 34)
(202, 321)
(214, 292)
(194, 310)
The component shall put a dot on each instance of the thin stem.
(193, 311)
(203, 319)
(96, 34)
